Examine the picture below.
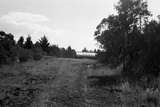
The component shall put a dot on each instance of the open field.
(59, 82)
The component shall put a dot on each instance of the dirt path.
(55, 82)
(69, 87)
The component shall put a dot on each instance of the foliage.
(10, 51)
(24, 54)
(130, 38)
(7, 45)
(85, 50)
(70, 52)
(28, 43)
(37, 53)
(54, 51)
(44, 44)
(20, 42)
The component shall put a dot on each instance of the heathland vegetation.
(126, 74)
(23, 50)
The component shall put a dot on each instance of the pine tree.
(44, 44)
(28, 44)
(20, 42)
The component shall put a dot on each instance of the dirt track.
(60, 83)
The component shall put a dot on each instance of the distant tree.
(37, 45)
(54, 50)
(69, 49)
(95, 51)
(28, 43)
(71, 53)
(44, 44)
(20, 42)
(7, 47)
(85, 50)
(74, 54)
(63, 52)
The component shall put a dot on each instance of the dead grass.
(59, 82)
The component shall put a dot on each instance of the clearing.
(56, 82)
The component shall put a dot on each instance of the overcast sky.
(64, 22)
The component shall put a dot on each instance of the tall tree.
(114, 33)
(132, 14)
(20, 42)
(7, 45)
(44, 44)
(71, 53)
(84, 50)
(28, 43)
(54, 50)
(151, 55)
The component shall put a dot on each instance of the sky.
(64, 22)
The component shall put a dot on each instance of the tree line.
(23, 50)
(131, 38)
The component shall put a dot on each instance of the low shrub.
(37, 53)
(24, 55)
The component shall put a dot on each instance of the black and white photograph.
(79, 53)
